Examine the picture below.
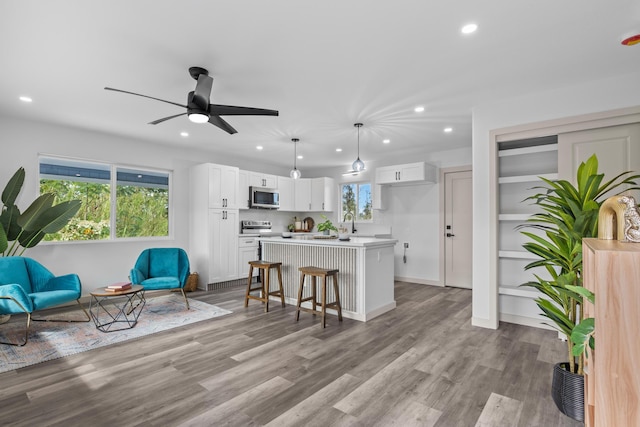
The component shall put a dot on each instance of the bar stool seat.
(316, 272)
(264, 287)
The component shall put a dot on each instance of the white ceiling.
(323, 64)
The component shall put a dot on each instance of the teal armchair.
(162, 268)
(27, 286)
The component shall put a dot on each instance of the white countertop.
(352, 242)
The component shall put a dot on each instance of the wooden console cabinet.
(612, 375)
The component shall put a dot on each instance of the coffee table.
(115, 311)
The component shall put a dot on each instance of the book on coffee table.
(122, 286)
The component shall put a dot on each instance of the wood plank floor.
(421, 364)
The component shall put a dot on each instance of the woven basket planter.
(567, 390)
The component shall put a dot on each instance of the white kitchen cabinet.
(243, 189)
(286, 193)
(219, 184)
(223, 244)
(302, 194)
(322, 194)
(377, 201)
(419, 172)
(247, 251)
(257, 179)
(213, 232)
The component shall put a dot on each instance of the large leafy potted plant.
(569, 214)
(22, 230)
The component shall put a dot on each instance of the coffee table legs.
(117, 312)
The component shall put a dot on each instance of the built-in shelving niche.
(521, 164)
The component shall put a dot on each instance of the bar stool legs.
(316, 272)
(264, 288)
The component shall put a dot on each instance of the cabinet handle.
(322, 205)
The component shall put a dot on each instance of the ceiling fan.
(200, 110)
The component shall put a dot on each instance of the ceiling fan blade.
(203, 91)
(218, 121)
(155, 122)
(232, 110)
(145, 96)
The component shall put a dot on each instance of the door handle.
(450, 235)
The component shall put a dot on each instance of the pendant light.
(295, 173)
(358, 165)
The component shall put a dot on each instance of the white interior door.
(617, 149)
(458, 229)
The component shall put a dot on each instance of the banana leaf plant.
(22, 230)
(569, 214)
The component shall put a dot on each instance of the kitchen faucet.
(353, 221)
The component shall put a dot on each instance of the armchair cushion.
(161, 268)
(34, 287)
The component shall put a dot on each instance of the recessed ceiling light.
(300, 156)
(447, 130)
(139, 176)
(469, 28)
(338, 149)
(259, 147)
(386, 141)
(184, 134)
(419, 109)
(25, 99)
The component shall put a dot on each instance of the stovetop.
(255, 227)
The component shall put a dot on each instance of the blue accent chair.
(27, 286)
(162, 268)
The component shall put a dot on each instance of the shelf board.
(518, 292)
(526, 178)
(514, 217)
(517, 255)
(528, 150)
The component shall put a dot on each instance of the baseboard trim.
(484, 323)
(524, 321)
(419, 281)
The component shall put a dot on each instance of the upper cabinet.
(221, 182)
(243, 189)
(419, 172)
(257, 179)
(286, 193)
(322, 194)
(302, 194)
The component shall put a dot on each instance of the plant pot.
(567, 390)
(326, 232)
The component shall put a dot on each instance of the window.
(356, 198)
(117, 202)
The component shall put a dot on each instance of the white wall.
(97, 263)
(412, 212)
(592, 97)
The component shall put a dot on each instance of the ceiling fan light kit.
(200, 110)
(295, 173)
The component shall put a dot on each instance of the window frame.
(113, 183)
(357, 193)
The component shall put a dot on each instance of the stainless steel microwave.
(265, 198)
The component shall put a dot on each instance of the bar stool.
(316, 272)
(265, 267)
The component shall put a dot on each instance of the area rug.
(52, 340)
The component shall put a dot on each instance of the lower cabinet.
(247, 251)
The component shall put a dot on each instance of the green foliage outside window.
(141, 201)
(356, 198)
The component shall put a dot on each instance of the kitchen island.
(366, 270)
